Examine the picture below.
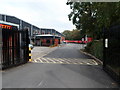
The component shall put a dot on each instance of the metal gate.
(15, 49)
(0, 47)
(111, 62)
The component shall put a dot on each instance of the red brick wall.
(44, 42)
(56, 42)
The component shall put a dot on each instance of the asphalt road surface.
(59, 67)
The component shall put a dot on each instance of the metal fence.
(111, 62)
(15, 50)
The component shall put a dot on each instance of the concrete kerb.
(53, 46)
(98, 60)
(59, 45)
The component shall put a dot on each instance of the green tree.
(72, 35)
(67, 34)
(75, 35)
(92, 17)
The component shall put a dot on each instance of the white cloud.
(42, 13)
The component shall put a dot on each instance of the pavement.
(59, 67)
(41, 51)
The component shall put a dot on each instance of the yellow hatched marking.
(41, 61)
(38, 58)
(52, 61)
(80, 63)
(95, 62)
(45, 60)
(88, 63)
(75, 63)
(58, 61)
(35, 61)
(66, 61)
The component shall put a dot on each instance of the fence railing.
(111, 62)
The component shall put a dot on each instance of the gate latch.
(106, 43)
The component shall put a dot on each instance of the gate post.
(0, 58)
(0, 48)
(28, 42)
(111, 52)
(105, 46)
(30, 54)
(104, 36)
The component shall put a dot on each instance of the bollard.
(30, 55)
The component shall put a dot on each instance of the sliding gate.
(15, 49)
(111, 62)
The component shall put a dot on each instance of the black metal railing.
(111, 62)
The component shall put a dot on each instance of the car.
(31, 46)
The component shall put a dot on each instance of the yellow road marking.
(66, 61)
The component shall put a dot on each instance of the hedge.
(95, 48)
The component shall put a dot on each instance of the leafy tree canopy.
(92, 17)
(72, 35)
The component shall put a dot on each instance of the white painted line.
(35, 61)
(95, 62)
(80, 63)
(88, 63)
(38, 58)
(61, 59)
(41, 61)
(57, 59)
(52, 60)
(74, 63)
(45, 60)
(40, 84)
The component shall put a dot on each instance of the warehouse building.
(38, 36)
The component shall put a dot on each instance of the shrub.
(95, 48)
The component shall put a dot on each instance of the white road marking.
(40, 84)
(95, 62)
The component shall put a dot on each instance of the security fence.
(15, 50)
(111, 62)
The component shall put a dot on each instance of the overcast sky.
(42, 13)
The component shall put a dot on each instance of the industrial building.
(15, 37)
(38, 36)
